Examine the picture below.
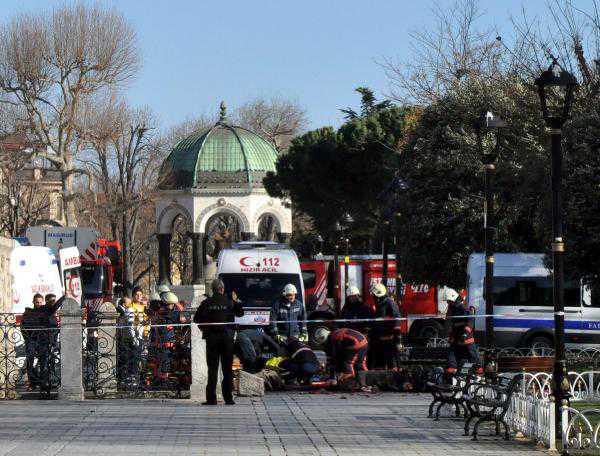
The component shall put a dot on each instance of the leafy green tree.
(327, 173)
(444, 205)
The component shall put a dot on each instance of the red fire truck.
(100, 259)
(425, 303)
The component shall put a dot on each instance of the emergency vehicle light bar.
(267, 245)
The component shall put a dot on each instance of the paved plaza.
(279, 424)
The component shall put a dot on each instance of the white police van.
(257, 273)
(523, 305)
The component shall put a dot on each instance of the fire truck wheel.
(429, 330)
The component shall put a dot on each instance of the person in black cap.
(219, 339)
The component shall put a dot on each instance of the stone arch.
(269, 209)
(167, 216)
(276, 228)
(208, 212)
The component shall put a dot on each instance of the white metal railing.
(581, 429)
(534, 417)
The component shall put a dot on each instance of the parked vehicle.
(257, 272)
(423, 304)
(38, 270)
(100, 259)
(523, 305)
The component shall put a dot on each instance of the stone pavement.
(278, 424)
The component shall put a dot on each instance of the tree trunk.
(127, 267)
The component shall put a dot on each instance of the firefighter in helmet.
(461, 338)
(347, 351)
(385, 337)
(288, 317)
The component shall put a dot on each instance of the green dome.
(222, 156)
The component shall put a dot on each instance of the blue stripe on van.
(544, 323)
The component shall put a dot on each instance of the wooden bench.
(490, 402)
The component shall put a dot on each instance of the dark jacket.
(42, 317)
(355, 309)
(388, 309)
(300, 353)
(461, 332)
(218, 309)
(292, 317)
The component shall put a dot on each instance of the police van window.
(532, 291)
(309, 278)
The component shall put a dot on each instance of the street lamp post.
(489, 122)
(148, 257)
(385, 251)
(555, 88)
(336, 268)
(15, 216)
(347, 220)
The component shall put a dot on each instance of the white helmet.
(289, 289)
(450, 295)
(378, 290)
(353, 291)
(163, 289)
(170, 298)
(321, 335)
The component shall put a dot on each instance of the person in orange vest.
(347, 350)
(461, 338)
(168, 316)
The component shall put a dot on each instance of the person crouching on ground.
(347, 350)
(301, 363)
(462, 341)
(219, 339)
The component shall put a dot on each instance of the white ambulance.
(38, 270)
(257, 273)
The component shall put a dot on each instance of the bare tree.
(276, 119)
(50, 63)
(23, 199)
(124, 159)
(442, 57)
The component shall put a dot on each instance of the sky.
(316, 52)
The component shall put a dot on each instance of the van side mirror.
(586, 293)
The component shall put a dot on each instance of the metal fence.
(29, 357)
(151, 358)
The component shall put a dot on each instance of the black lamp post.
(347, 220)
(489, 123)
(15, 216)
(555, 88)
(336, 268)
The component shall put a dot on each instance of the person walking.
(288, 317)
(219, 338)
(386, 336)
(461, 338)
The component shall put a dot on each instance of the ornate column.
(197, 258)
(164, 256)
